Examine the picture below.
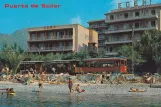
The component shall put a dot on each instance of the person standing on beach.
(42, 76)
(70, 85)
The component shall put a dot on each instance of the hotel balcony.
(100, 45)
(50, 49)
(132, 18)
(98, 26)
(101, 32)
(43, 39)
(111, 53)
(129, 29)
(118, 42)
(101, 38)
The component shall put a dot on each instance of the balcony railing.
(100, 44)
(111, 53)
(131, 18)
(97, 26)
(101, 38)
(118, 42)
(101, 32)
(50, 38)
(62, 48)
(128, 29)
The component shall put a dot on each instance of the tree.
(150, 45)
(126, 51)
(101, 52)
(150, 49)
(12, 56)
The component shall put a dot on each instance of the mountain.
(20, 37)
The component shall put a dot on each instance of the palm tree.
(12, 56)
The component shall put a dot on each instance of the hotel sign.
(135, 3)
(49, 27)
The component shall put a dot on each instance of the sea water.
(45, 99)
(59, 96)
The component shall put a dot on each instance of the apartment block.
(120, 21)
(60, 39)
(100, 26)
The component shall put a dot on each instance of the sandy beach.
(100, 89)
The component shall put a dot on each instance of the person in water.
(40, 84)
(70, 85)
(10, 90)
(132, 89)
(78, 89)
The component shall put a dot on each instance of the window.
(111, 17)
(153, 12)
(126, 15)
(41, 36)
(122, 62)
(33, 36)
(61, 33)
(117, 38)
(153, 24)
(41, 46)
(70, 43)
(57, 34)
(110, 49)
(70, 32)
(136, 25)
(50, 35)
(137, 14)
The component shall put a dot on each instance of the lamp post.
(133, 48)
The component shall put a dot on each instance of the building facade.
(100, 26)
(121, 21)
(60, 39)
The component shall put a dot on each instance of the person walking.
(70, 85)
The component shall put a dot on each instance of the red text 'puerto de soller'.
(32, 6)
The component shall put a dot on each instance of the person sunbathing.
(136, 90)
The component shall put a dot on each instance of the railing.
(51, 38)
(111, 53)
(97, 26)
(128, 29)
(100, 44)
(118, 41)
(132, 18)
(101, 31)
(63, 48)
(100, 38)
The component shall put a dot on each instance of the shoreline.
(90, 89)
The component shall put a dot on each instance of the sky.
(70, 12)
